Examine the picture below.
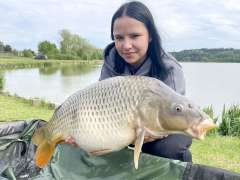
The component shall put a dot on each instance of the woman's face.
(131, 39)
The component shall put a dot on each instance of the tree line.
(7, 49)
(71, 47)
(208, 55)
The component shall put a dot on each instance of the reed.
(229, 121)
(230, 125)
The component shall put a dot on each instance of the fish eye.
(179, 108)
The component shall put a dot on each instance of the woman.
(137, 50)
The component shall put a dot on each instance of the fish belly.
(104, 139)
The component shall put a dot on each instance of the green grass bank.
(16, 108)
(218, 151)
(16, 63)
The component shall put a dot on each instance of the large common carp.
(111, 114)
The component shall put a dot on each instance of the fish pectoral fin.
(44, 153)
(46, 149)
(138, 146)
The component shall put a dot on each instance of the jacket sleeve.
(175, 78)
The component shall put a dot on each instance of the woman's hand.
(150, 139)
(71, 140)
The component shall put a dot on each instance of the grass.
(218, 151)
(1, 81)
(18, 62)
(14, 108)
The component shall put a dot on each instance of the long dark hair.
(140, 12)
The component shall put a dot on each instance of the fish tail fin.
(45, 145)
(44, 153)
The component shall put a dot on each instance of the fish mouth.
(199, 131)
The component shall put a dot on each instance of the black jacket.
(175, 78)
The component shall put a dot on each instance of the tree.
(66, 42)
(28, 53)
(7, 48)
(74, 44)
(1, 46)
(47, 48)
(15, 52)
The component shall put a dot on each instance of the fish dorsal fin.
(138, 145)
(45, 150)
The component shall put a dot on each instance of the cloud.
(197, 24)
(182, 24)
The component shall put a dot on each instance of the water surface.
(207, 84)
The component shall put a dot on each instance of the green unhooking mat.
(71, 163)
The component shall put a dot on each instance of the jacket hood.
(109, 55)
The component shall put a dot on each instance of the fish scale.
(114, 114)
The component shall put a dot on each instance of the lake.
(207, 84)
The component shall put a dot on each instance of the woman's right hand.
(150, 139)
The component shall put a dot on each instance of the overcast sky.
(182, 24)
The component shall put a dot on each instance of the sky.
(182, 24)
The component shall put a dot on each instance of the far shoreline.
(20, 63)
